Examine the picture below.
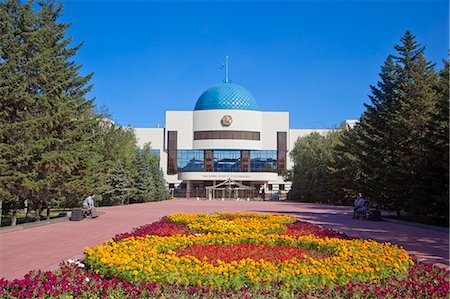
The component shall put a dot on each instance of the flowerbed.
(154, 259)
(239, 256)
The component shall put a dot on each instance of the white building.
(226, 147)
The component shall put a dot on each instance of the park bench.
(78, 214)
(367, 213)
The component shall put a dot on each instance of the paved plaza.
(43, 247)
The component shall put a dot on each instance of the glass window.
(227, 161)
(263, 161)
(281, 187)
(270, 187)
(190, 160)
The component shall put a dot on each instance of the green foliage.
(144, 182)
(310, 177)
(45, 115)
(54, 149)
(398, 153)
(117, 187)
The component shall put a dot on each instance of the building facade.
(226, 147)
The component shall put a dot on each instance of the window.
(226, 160)
(270, 187)
(281, 187)
(246, 135)
(263, 161)
(190, 160)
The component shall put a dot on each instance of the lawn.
(234, 255)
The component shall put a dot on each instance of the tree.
(310, 177)
(345, 169)
(117, 186)
(374, 143)
(399, 149)
(160, 183)
(144, 182)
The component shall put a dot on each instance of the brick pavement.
(45, 246)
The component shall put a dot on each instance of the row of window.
(280, 187)
(227, 161)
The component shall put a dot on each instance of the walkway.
(44, 247)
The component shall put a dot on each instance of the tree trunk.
(27, 209)
(1, 210)
(38, 213)
(14, 218)
(47, 216)
(398, 212)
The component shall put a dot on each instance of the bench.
(77, 214)
(370, 214)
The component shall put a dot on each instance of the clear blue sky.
(315, 59)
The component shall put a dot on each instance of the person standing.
(358, 203)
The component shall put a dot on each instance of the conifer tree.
(400, 135)
(376, 142)
(49, 120)
(13, 104)
(345, 167)
(144, 182)
(117, 186)
(160, 183)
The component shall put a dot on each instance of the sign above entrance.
(237, 176)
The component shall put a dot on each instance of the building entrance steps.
(44, 247)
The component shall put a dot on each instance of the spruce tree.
(49, 121)
(14, 104)
(345, 167)
(161, 192)
(117, 186)
(144, 182)
(376, 142)
(400, 146)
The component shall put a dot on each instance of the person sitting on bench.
(358, 203)
(363, 211)
(88, 204)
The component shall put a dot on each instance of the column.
(188, 189)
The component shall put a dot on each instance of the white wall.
(273, 122)
(243, 120)
(153, 135)
(180, 121)
(156, 138)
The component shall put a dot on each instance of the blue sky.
(315, 59)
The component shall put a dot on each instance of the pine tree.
(117, 186)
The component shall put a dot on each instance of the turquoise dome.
(226, 96)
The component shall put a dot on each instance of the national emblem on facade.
(226, 120)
